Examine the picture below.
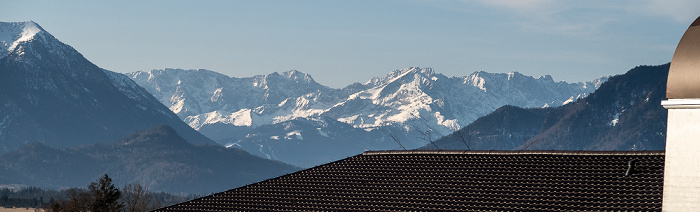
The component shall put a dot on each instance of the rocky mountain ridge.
(404, 102)
(625, 113)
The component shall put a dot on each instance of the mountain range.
(625, 113)
(281, 114)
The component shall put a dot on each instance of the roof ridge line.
(515, 152)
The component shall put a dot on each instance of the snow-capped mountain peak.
(400, 74)
(249, 112)
(13, 33)
(52, 94)
(298, 76)
(479, 82)
(546, 77)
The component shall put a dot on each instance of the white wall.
(682, 166)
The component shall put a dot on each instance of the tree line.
(100, 196)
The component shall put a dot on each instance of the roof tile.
(456, 181)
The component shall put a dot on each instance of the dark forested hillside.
(157, 158)
(506, 128)
(625, 113)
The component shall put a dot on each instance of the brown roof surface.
(456, 181)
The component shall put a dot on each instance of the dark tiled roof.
(457, 180)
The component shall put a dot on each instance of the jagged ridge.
(623, 114)
(230, 110)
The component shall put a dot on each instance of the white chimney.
(682, 166)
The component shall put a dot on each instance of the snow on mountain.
(50, 93)
(206, 100)
(623, 114)
(28, 39)
(406, 101)
(416, 96)
(13, 33)
(309, 142)
(195, 92)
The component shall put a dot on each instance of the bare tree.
(78, 200)
(529, 143)
(427, 135)
(467, 141)
(136, 198)
(396, 139)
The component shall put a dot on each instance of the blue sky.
(340, 42)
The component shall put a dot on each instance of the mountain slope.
(195, 92)
(308, 142)
(157, 158)
(50, 93)
(202, 97)
(623, 114)
(238, 111)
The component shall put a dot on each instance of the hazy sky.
(341, 41)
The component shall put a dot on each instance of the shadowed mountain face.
(625, 113)
(50, 93)
(158, 158)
